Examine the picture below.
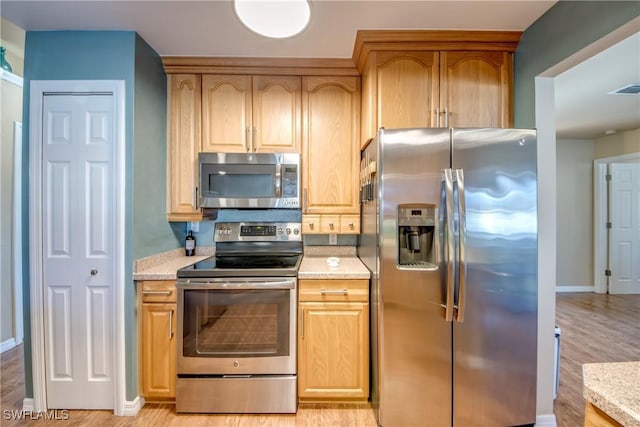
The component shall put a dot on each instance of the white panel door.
(78, 250)
(625, 228)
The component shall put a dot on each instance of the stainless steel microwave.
(249, 180)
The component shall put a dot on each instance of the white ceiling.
(584, 107)
(210, 28)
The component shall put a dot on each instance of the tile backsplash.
(204, 236)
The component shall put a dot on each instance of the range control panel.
(257, 231)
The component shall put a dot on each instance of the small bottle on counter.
(190, 244)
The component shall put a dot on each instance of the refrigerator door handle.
(462, 234)
(447, 204)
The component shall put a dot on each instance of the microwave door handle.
(278, 180)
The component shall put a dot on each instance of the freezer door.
(414, 363)
(496, 328)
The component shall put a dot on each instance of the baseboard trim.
(560, 289)
(7, 345)
(131, 408)
(28, 405)
(546, 421)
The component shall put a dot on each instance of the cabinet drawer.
(333, 290)
(350, 224)
(158, 290)
(330, 224)
(310, 224)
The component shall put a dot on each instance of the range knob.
(280, 230)
(288, 231)
(296, 231)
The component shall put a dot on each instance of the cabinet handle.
(446, 117)
(331, 225)
(351, 226)
(437, 117)
(196, 201)
(171, 324)
(304, 200)
(167, 293)
(334, 292)
(254, 140)
(311, 225)
(302, 324)
(247, 140)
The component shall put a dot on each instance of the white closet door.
(625, 228)
(78, 250)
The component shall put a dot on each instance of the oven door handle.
(217, 285)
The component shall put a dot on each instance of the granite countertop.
(164, 266)
(316, 267)
(614, 388)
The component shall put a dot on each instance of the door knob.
(94, 272)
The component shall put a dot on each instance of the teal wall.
(111, 55)
(565, 29)
(151, 232)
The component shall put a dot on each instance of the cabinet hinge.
(609, 225)
(607, 272)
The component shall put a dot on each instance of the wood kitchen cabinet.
(330, 137)
(333, 340)
(157, 342)
(242, 113)
(595, 417)
(435, 79)
(184, 91)
(331, 224)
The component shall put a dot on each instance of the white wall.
(11, 109)
(574, 232)
(617, 144)
(12, 38)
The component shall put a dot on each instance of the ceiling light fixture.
(274, 18)
(632, 89)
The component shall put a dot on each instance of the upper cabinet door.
(226, 113)
(276, 114)
(330, 134)
(183, 147)
(475, 88)
(407, 89)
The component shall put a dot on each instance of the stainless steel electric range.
(237, 322)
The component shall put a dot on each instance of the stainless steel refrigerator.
(449, 232)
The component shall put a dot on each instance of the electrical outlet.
(194, 226)
(333, 239)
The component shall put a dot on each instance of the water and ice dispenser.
(416, 240)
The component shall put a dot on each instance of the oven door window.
(236, 323)
(239, 181)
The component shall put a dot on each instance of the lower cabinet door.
(333, 351)
(158, 351)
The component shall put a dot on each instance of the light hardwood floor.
(595, 328)
(312, 415)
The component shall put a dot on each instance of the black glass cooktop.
(262, 261)
(239, 265)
